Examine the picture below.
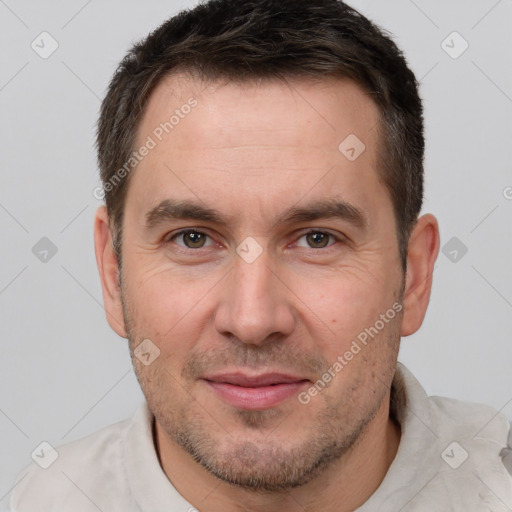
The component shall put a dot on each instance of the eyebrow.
(169, 210)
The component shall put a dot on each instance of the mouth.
(255, 392)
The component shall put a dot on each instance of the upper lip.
(253, 381)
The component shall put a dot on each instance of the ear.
(421, 255)
(108, 268)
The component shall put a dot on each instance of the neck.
(344, 486)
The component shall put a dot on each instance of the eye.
(190, 239)
(317, 239)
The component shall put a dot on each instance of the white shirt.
(453, 456)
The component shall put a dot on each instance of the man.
(262, 252)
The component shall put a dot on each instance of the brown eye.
(317, 239)
(194, 240)
(190, 239)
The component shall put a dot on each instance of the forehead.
(250, 145)
(261, 110)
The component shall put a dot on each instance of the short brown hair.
(244, 40)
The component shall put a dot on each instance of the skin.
(251, 151)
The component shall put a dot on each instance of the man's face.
(250, 307)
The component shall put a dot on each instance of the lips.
(255, 392)
(254, 381)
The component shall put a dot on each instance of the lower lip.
(258, 398)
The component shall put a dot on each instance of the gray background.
(64, 373)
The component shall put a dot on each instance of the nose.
(255, 305)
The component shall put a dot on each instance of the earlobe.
(421, 256)
(109, 273)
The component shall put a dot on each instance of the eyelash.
(169, 239)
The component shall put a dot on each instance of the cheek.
(347, 302)
(359, 339)
(164, 309)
